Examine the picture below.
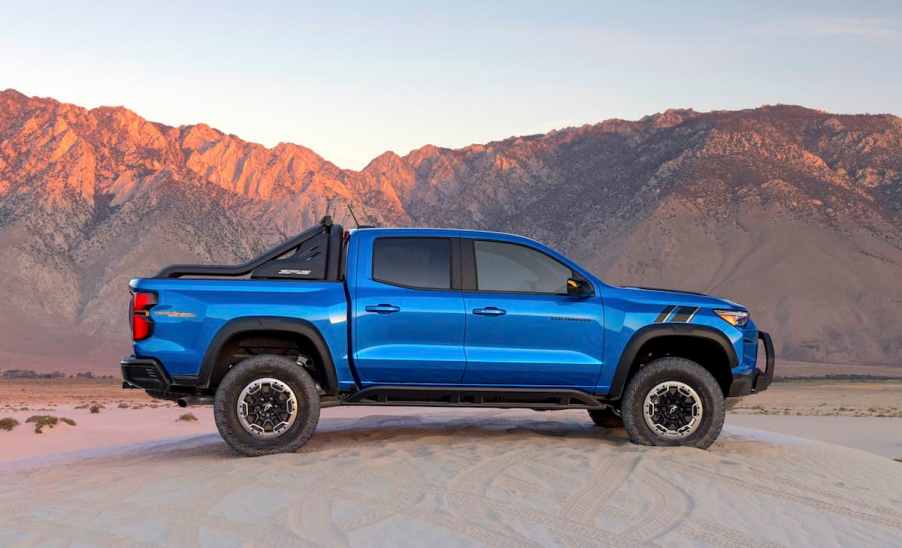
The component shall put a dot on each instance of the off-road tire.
(606, 418)
(680, 370)
(225, 405)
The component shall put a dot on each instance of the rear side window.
(516, 268)
(413, 262)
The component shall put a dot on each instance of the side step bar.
(427, 396)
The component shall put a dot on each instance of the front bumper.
(758, 380)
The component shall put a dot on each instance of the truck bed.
(190, 312)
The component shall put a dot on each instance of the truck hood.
(680, 296)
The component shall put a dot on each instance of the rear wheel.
(266, 404)
(606, 418)
(673, 401)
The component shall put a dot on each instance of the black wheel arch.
(628, 365)
(238, 326)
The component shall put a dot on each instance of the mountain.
(793, 211)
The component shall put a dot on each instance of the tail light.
(140, 306)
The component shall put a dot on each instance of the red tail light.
(141, 304)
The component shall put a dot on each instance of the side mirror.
(579, 287)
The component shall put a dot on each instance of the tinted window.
(413, 262)
(510, 267)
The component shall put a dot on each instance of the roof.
(446, 233)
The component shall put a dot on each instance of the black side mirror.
(577, 286)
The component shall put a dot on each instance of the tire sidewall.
(674, 369)
(245, 372)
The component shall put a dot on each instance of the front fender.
(651, 332)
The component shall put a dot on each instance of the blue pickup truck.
(435, 317)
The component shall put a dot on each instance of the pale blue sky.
(355, 79)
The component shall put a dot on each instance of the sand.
(418, 477)
(112, 427)
(825, 398)
(134, 475)
(878, 435)
(41, 392)
(788, 368)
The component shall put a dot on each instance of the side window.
(413, 262)
(510, 267)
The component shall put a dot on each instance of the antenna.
(351, 209)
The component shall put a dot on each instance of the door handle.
(490, 311)
(382, 308)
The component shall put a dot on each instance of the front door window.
(510, 267)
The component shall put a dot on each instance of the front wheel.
(266, 404)
(673, 401)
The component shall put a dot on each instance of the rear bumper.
(145, 373)
(758, 380)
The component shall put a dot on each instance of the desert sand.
(877, 435)
(825, 398)
(418, 477)
(94, 433)
(795, 369)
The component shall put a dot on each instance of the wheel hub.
(267, 408)
(673, 409)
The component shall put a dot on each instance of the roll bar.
(179, 270)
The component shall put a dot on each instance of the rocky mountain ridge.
(793, 211)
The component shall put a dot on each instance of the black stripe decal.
(683, 313)
(664, 313)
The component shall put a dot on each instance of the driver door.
(522, 328)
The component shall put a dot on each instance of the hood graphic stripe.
(684, 313)
(664, 313)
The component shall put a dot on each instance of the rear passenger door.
(409, 318)
(523, 329)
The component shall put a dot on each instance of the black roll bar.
(179, 270)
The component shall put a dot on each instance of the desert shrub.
(187, 417)
(123, 405)
(8, 423)
(40, 421)
(96, 408)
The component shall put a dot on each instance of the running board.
(427, 396)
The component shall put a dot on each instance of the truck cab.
(435, 317)
(440, 307)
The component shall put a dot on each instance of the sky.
(353, 79)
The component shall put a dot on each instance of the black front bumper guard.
(757, 380)
(764, 378)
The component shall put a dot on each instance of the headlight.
(736, 318)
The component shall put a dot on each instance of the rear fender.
(267, 323)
